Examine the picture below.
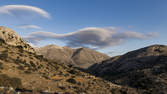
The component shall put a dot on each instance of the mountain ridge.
(143, 69)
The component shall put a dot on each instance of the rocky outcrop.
(81, 57)
(10, 37)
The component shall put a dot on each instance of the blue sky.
(147, 18)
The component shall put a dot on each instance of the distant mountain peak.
(80, 57)
(53, 46)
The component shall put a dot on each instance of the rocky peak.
(10, 37)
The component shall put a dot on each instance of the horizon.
(111, 27)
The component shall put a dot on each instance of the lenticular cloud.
(15, 10)
(91, 37)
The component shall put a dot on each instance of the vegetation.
(7, 81)
(72, 80)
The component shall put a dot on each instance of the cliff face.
(10, 37)
(81, 57)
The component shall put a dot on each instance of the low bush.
(71, 80)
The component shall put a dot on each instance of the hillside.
(81, 57)
(143, 69)
(10, 37)
(24, 71)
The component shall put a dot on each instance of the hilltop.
(11, 38)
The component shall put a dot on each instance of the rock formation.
(10, 37)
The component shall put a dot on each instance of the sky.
(113, 27)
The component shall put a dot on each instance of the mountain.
(57, 53)
(81, 57)
(144, 69)
(23, 71)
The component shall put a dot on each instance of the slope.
(143, 69)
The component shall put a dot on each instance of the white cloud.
(29, 27)
(15, 10)
(91, 37)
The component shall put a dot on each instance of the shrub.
(27, 72)
(72, 72)
(32, 64)
(20, 67)
(71, 80)
(1, 67)
(4, 55)
(1, 41)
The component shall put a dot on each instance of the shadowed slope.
(144, 69)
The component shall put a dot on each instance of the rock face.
(10, 37)
(144, 69)
(29, 73)
(81, 57)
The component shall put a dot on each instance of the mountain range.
(57, 70)
(23, 71)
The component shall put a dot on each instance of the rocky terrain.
(22, 71)
(144, 69)
(10, 37)
(81, 57)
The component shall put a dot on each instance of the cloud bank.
(16, 10)
(29, 27)
(91, 37)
